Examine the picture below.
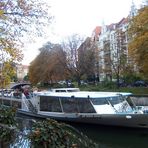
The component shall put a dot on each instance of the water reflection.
(115, 137)
(24, 126)
(105, 136)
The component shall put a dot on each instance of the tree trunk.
(79, 82)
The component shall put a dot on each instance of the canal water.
(115, 137)
(105, 136)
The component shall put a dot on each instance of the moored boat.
(106, 108)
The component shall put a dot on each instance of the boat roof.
(64, 89)
(83, 94)
(20, 85)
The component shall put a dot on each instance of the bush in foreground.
(7, 124)
(51, 134)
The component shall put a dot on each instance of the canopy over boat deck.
(19, 85)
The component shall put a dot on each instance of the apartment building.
(112, 41)
(112, 48)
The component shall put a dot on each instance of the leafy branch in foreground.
(7, 123)
(50, 133)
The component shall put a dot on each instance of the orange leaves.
(49, 65)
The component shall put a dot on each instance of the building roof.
(122, 21)
(97, 30)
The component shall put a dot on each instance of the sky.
(78, 17)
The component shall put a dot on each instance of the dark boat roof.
(65, 90)
(19, 85)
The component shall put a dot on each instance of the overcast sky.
(80, 17)
(83, 15)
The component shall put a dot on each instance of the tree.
(70, 46)
(49, 65)
(6, 73)
(119, 60)
(87, 60)
(81, 57)
(26, 77)
(138, 46)
(17, 19)
(8, 56)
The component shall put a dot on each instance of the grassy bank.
(134, 90)
(103, 87)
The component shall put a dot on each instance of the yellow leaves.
(6, 74)
(139, 24)
(2, 16)
(138, 47)
(10, 51)
(1, 12)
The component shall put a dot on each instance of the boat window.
(99, 101)
(51, 104)
(85, 106)
(69, 105)
(60, 91)
(73, 90)
(77, 105)
(115, 100)
(130, 101)
(120, 104)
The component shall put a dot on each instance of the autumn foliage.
(49, 66)
(138, 46)
(18, 18)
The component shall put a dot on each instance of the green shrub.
(51, 134)
(7, 115)
(7, 123)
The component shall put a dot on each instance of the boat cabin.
(82, 102)
(105, 108)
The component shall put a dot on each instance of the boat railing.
(27, 105)
(24, 103)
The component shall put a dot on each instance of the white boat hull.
(125, 120)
